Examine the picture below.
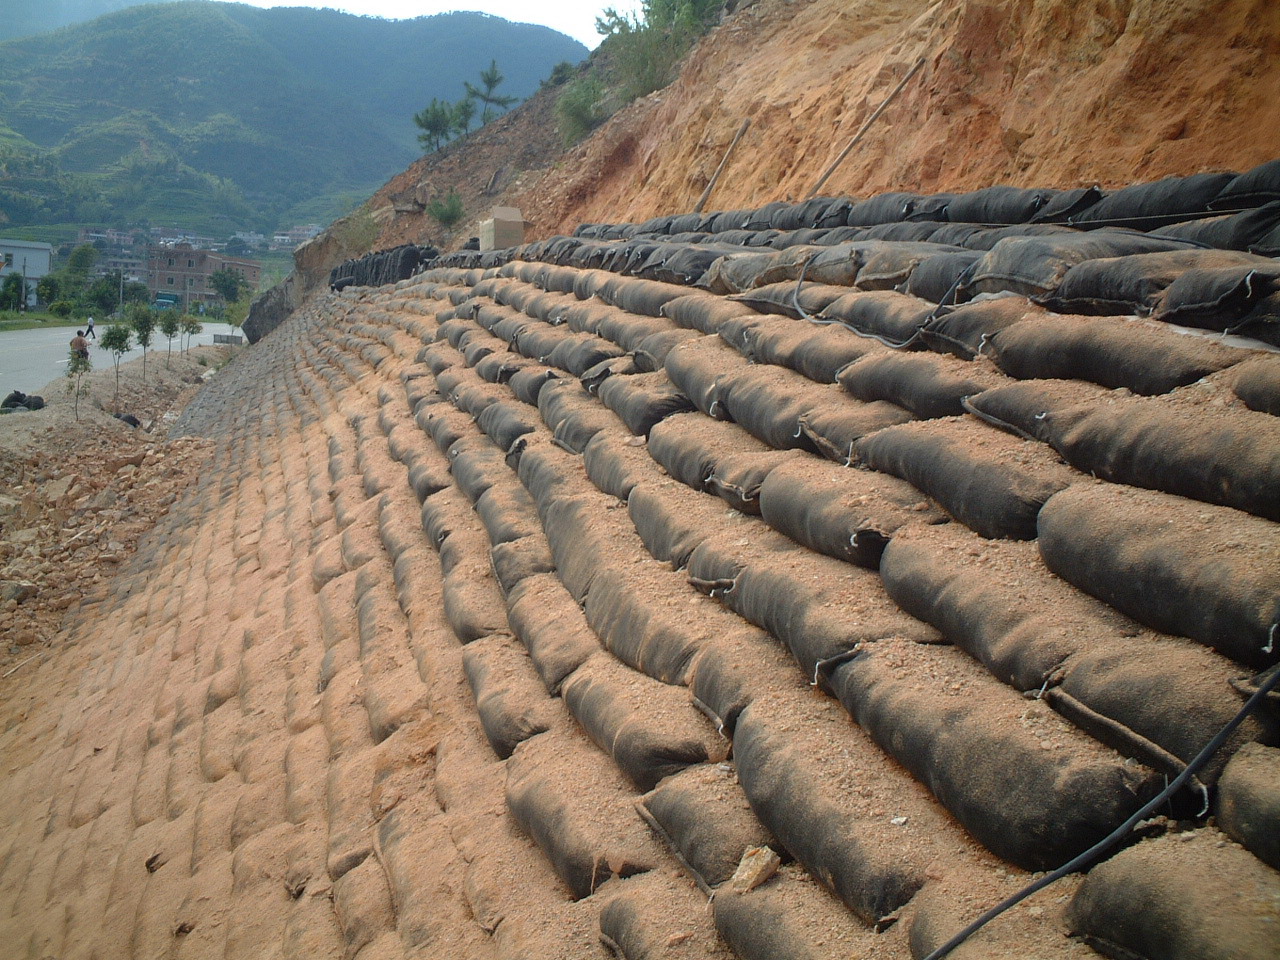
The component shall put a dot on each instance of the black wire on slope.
(1098, 849)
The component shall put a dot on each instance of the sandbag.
(1248, 808)
(690, 446)
(572, 414)
(1146, 206)
(649, 728)
(1183, 896)
(1257, 383)
(1250, 189)
(702, 312)
(1001, 204)
(833, 430)
(561, 794)
(927, 384)
(736, 479)
(1140, 357)
(651, 353)
(659, 917)
(615, 464)
(1252, 230)
(892, 266)
(699, 369)
(516, 560)
(703, 816)
(1132, 284)
(965, 738)
(843, 513)
(511, 704)
(963, 330)
(1221, 298)
(1034, 266)
(508, 513)
(888, 316)
(992, 483)
(505, 422)
(790, 299)
(643, 400)
(672, 519)
(1067, 204)
(938, 278)
(552, 628)
(476, 465)
(1159, 560)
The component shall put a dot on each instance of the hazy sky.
(577, 18)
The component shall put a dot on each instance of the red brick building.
(182, 271)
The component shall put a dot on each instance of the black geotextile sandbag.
(972, 748)
(963, 330)
(737, 477)
(651, 353)
(507, 512)
(510, 701)
(428, 476)
(1001, 204)
(1253, 230)
(703, 312)
(789, 918)
(506, 421)
(1216, 455)
(517, 560)
(792, 800)
(650, 729)
(572, 414)
(1034, 266)
(548, 471)
(444, 423)
(1132, 284)
(891, 267)
(643, 400)
(658, 916)
(1161, 560)
(644, 297)
(890, 317)
(472, 601)
(1141, 357)
(672, 519)
(630, 330)
(586, 316)
(1248, 808)
(1183, 896)
(580, 352)
(798, 216)
(587, 539)
(736, 273)
(536, 340)
(927, 384)
(816, 350)
(1146, 206)
(551, 626)
(938, 278)
(843, 513)
(1225, 298)
(563, 794)
(993, 483)
(527, 382)
(913, 232)
(1252, 188)
(833, 428)
(700, 367)
(615, 464)
(795, 300)
(703, 816)
(617, 366)
(819, 607)
(770, 402)
(1156, 698)
(1257, 383)
(681, 264)
(476, 465)
(882, 208)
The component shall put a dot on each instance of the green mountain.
(24, 18)
(222, 116)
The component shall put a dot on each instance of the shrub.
(60, 308)
(580, 109)
(447, 211)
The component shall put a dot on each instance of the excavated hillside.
(794, 582)
(1053, 93)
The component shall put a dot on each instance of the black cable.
(1101, 847)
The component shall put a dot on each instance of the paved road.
(30, 359)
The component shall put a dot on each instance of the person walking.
(88, 331)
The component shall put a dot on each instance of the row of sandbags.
(381, 267)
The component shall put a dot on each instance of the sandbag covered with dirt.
(643, 400)
(509, 700)
(517, 560)
(1132, 284)
(1164, 561)
(580, 352)
(789, 918)
(833, 429)
(657, 916)
(795, 801)
(737, 478)
(927, 384)
(790, 299)
(1141, 357)
(963, 330)
(527, 382)
(629, 330)
(700, 369)
(1034, 266)
(1183, 896)
(1146, 206)
(968, 740)
(615, 464)
(888, 316)
(702, 815)
(508, 513)
(1257, 383)
(992, 483)
(689, 446)
(681, 264)
(1256, 230)
(840, 512)
(818, 606)
(650, 729)
(1248, 808)
(645, 297)
(1209, 453)
(572, 414)
(505, 422)
(703, 312)
(769, 401)
(651, 353)
(1156, 698)
(938, 279)
(892, 266)
(737, 272)
(562, 793)
(472, 602)
(672, 519)
(552, 628)
(476, 465)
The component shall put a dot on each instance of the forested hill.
(222, 115)
(24, 18)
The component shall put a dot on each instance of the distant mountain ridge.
(229, 116)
